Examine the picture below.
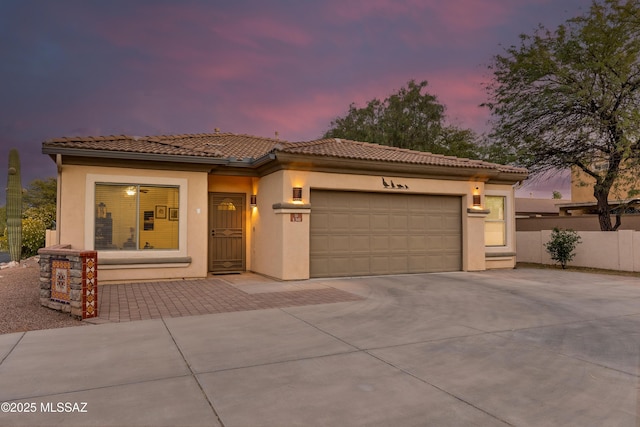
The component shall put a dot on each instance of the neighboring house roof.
(531, 206)
(217, 148)
(580, 208)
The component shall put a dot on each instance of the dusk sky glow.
(150, 67)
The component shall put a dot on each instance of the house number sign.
(296, 217)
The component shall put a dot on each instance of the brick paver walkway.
(140, 301)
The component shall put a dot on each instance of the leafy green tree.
(40, 192)
(411, 118)
(570, 98)
(39, 201)
(562, 245)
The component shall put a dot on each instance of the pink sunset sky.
(148, 67)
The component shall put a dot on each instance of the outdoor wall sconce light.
(476, 198)
(297, 194)
(254, 200)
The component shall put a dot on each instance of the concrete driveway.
(519, 347)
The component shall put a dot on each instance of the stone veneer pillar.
(69, 280)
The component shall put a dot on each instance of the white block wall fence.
(610, 250)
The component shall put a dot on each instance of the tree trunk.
(604, 213)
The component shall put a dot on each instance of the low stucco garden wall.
(610, 250)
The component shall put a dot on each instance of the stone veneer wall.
(69, 280)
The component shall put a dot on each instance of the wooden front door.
(226, 232)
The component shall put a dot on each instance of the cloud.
(429, 22)
(253, 31)
(79, 67)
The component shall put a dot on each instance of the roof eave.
(282, 160)
(348, 165)
(511, 178)
(151, 157)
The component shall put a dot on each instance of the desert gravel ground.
(20, 308)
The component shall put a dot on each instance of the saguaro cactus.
(14, 206)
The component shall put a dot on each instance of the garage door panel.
(416, 204)
(421, 264)
(450, 223)
(417, 222)
(379, 222)
(340, 222)
(399, 223)
(378, 203)
(319, 267)
(451, 243)
(418, 243)
(360, 223)
(360, 266)
(434, 242)
(356, 233)
(433, 260)
(319, 244)
(339, 244)
(379, 265)
(398, 264)
(399, 205)
(379, 243)
(321, 222)
(337, 200)
(398, 243)
(452, 259)
(341, 266)
(360, 244)
(435, 221)
(358, 204)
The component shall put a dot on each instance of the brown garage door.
(359, 234)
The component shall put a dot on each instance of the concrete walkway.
(519, 347)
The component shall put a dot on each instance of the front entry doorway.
(226, 232)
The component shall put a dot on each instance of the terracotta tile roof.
(342, 148)
(216, 145)
(227, 145)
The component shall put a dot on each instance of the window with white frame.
(495, 225)
(130, 216)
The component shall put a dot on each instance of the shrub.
(33, 236)
(35, 222)
(45, 213)
(562, 245)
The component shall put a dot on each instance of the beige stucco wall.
(622, 249)
(530, 246)
(636, 251)
(275, 246)
(76, 219)
(280, 248)
(268, 228)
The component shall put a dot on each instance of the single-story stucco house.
(185, 206)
